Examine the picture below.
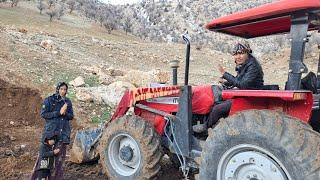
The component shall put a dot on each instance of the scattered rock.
(11, 123)
(23, 146)
(113, 72)
(105, 79)
(78, 82)
(83, 94)
(47, 44)
(92, 69)
(94, 40)
(12, 138)
(22, 30)
(17, 148)
(9, 152)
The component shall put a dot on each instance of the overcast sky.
(120, 1)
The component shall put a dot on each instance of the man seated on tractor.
(249, 76)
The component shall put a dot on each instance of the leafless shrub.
(71, 5)
(51, 2)
(14, 3)
(52, 13)
(110, 25)
(127, 24)
(41, 6)
(60, 11)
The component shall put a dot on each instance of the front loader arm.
(132, 96)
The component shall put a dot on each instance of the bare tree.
(52, 13)
(127, 24)
(101, 16)
(143, 31)
(71, 5)
(109, 24)
(14, 3)
(50, 3)
(60, 11)
(41, 6)
(81, 2)
(90, 9)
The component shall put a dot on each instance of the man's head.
(241, 52)
(62, 89)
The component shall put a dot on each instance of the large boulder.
(160, 76)
(78, 82)
(84, 94)
(110, 95)
(114, 92)
(105, 79)
(91, 94)
(143, 79)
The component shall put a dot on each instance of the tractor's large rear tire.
(261, 144)
(130, 149)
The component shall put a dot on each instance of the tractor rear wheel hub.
(126, 153)
(250, 162)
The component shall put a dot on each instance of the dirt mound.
(19, 122)
(19, 106)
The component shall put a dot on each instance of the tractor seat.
(270, 87)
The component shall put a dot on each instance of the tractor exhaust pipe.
(174, 64)
(186, 38)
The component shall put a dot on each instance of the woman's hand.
(63, 110)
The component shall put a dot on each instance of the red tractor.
(268, 135)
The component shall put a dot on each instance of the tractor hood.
(264, 20)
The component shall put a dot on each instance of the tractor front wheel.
(130, 149)
(261, 144)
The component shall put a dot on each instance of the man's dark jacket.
(249, 75)
(55, 122)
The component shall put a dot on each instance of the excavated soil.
(19, 127)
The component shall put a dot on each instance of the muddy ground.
(21, 128)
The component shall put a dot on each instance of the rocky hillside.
(165, 21)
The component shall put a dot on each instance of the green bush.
(105, 116)
(92, 81)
